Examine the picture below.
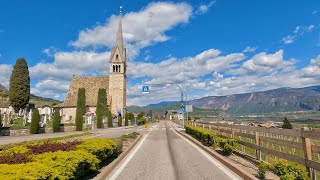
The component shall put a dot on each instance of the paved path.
(163, 154)
(110, 133)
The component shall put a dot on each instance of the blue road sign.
(145, 89)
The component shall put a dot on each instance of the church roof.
(92, 84)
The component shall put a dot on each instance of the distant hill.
(3, 89)
(277, 100)
(161, 109)
(38, 101)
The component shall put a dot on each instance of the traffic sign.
(145, 89)
(189, 108)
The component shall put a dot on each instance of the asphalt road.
(163, 154)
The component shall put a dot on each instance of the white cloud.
(205, 7)
(313, 70)
(67, 64)
(263, 63)
(288, 39)
(297, 32)
(249, 49)
(140, 29)
(5, 73)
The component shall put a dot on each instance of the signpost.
(145, 89)
(189, 108)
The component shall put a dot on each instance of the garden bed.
(59, 159)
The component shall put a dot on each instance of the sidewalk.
(17, 139)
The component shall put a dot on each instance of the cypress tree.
(81, 108)
(126, 123)
(0, 120)
(119, 120)
(19, 92)
(35, 119)
(286, 124)
(101, 106)
(110, 124)
(131, 117)
(56, 121)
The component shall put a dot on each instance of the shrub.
(101, 148)
(286, 124)
(227, 146)
(126, 122)
(35, 122)
(289, 170)
(110, 124)
(262, 168)
(119, 120)
(15, 158)
(142, 121)
(53, 147)
(56, 121)
(206, 137)
(132, 135)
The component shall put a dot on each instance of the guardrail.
(264, 140)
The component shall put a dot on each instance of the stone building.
(115, 85)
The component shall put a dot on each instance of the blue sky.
(209, 47)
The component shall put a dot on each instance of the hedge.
(206, 137)
(211, 139)
(65, 163)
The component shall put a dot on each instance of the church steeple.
(119, 41)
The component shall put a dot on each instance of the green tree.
(56, 121)
(81, 108)
(131, 117)
(119, 120)
(101, 106)
(35, 119)
(110, 124)
(140, 115)
(19, 92)
(0, 120)
(150, 114)
(286, 124)
(126, 123)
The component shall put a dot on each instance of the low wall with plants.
(56, 160)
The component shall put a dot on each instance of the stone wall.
(25, 132)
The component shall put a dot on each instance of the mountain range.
(276, 100)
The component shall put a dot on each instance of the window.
(117, 57)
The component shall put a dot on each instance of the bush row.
(284, 169)
(211, 139)
(70, 164)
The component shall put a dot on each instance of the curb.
(243, 174)
(105, 171)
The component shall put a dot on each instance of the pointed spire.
(119, 41)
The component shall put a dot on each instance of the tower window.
(117, 56)
(114, 68)
(119, 68)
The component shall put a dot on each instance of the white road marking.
(125, 163)
(210, 158)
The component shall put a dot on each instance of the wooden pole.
(258, 152)
(307, 152)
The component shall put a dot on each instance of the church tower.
(118, 77)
